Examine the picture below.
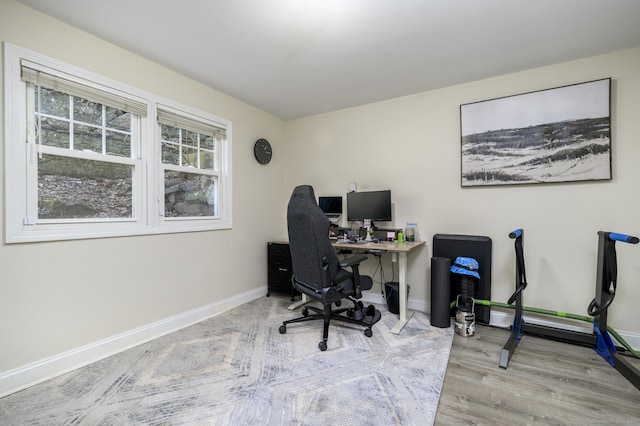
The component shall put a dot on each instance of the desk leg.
(405, 316)
(302, 302)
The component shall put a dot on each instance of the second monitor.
(373, 205)
(331, 206)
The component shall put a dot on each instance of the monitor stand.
(368, 224)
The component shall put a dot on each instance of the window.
(190, 165)
(87, 157)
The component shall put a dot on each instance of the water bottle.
(411, 231)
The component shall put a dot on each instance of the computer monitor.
(331, 206)
(374, 205)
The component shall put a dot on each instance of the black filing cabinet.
(280, 269)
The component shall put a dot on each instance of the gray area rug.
(237, 369)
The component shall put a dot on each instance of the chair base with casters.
(354, 315)
(346, 287)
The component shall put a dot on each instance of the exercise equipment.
(521, 283)
(440, 290)
(599, 339)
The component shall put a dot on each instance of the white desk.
(402, 249)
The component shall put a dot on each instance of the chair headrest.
(303, 192)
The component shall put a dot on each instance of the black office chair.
(317, 271)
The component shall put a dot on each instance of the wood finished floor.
(546, 383)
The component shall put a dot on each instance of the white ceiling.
(295, 58)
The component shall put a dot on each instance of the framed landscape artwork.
(556, 135)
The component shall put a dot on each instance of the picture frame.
(554, 135)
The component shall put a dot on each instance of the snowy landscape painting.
(555, 135)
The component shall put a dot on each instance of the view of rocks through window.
(68, 188)
(76, 187)
(72, 188)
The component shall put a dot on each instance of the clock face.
(262, 151)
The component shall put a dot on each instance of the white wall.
(411, 145)
(56, 297)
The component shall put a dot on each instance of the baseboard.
(28, 375)
(505, 320)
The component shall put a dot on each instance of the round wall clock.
(262, 151)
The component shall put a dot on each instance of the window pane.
(189, 138)
(170, 133)
(87, 138)
(206, 142)
(188, 148)
(189, 194)
(206, 160)
(53, 133)
(118, 144)
(53, 102)
(87, 111)
(118, 119)
(170, 154)
(75, 188)
(189, 157)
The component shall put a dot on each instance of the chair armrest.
(354, 263)
(355, 260)
(325, 273)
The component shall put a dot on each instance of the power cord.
(379, 267)
(378, 257)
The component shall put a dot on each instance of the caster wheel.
(323, 346)
(338, 303)
(305, 312)
(368, 332)
(283, 329)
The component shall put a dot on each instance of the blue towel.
(465, 266)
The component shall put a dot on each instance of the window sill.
(42, 233)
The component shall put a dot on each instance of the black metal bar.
(508, 350)
(576, 337)
(521, 283)
(601, 285)
(606, 277)
(623, 366)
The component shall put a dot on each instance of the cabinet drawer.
(280, 271)
(281, 250)
(282, 287)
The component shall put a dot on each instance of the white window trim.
(18, 228)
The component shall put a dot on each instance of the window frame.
(149, 203)
(222, 164)
(36, 149)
